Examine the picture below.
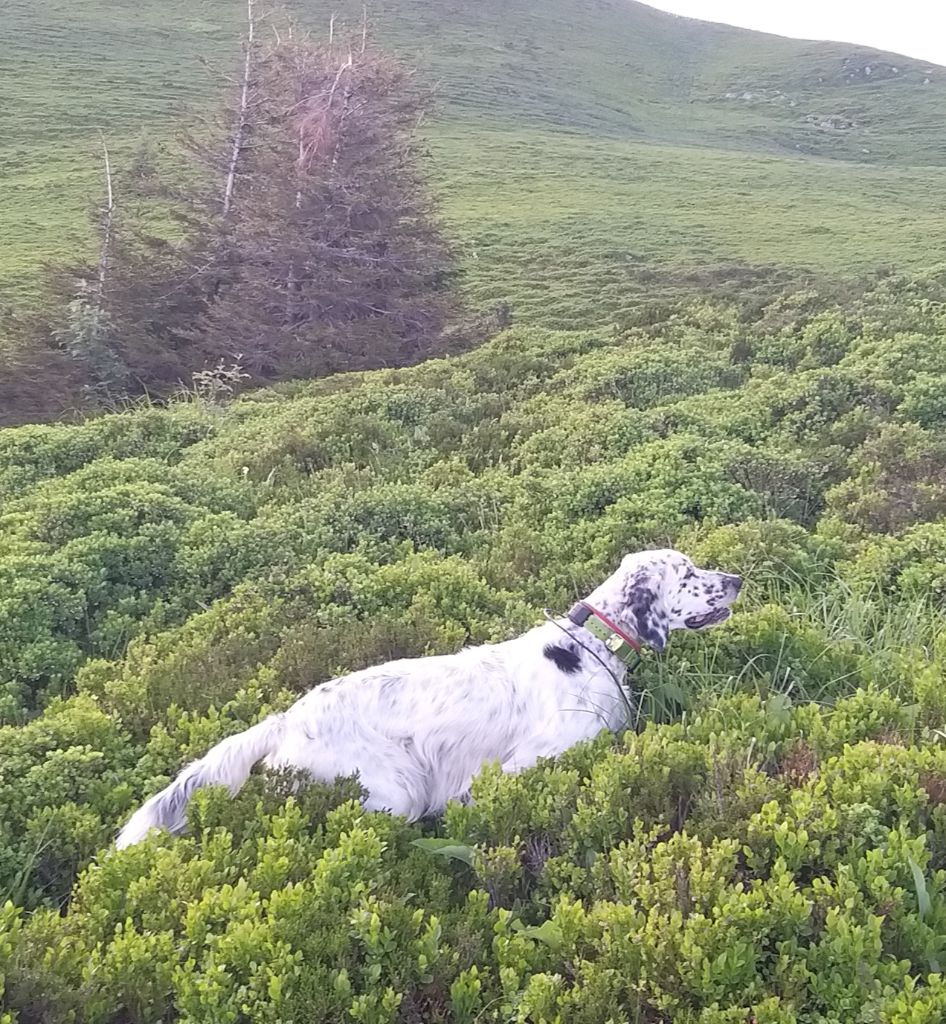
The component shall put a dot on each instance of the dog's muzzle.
(713, 618)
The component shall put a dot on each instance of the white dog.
(416, 731)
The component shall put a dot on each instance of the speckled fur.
(416, 731)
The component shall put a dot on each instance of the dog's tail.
(229, 763)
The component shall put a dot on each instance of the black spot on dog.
(567, 661)
(651, 622)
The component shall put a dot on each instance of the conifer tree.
(297, 237)
(336, 259)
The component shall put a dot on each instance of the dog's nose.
(734, 583)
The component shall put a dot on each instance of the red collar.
(582, 612)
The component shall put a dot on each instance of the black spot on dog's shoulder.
(567, 661)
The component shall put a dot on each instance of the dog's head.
(654, 592)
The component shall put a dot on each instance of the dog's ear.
(645, 610)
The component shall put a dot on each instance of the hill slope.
(577, 142)
(618, 68)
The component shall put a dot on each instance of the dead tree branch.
(107, 219)
(238, 136)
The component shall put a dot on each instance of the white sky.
(916, 28)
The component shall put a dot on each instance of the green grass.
(878, 631)
(582, 233)
(585, 152)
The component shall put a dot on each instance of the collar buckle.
(614, 644)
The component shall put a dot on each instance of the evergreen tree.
(297, 237)
(337, 260)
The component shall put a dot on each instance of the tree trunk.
(108, 215)
(240, 132)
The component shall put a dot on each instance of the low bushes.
(169, 577)
(763, 861)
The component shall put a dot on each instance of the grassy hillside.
(584, 231)
(576, 144)
(170, 576)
